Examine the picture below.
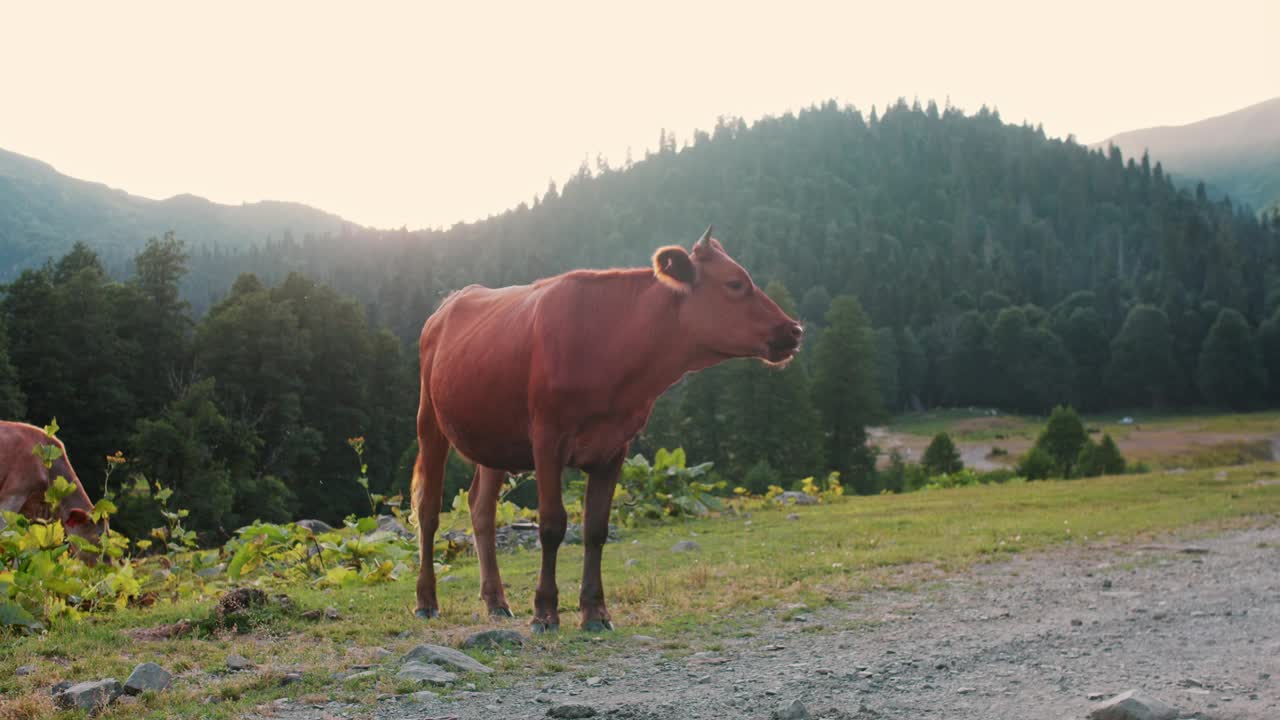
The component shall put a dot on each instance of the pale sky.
(425, 114)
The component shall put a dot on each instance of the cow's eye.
(734, 285)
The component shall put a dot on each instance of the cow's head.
(723, 311)
(80, 523)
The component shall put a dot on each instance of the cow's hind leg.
(552, 523)
(595, 533)
(427, 492)
(483, 499)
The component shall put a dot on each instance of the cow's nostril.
(797, 330)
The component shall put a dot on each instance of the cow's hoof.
(426, 613)
(597, 626)
(545, 627)
(500, 612)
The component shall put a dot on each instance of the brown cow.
(24, 479)
(564, 373)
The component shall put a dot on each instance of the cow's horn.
(705, 237)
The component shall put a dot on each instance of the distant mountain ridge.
(1236, 154)
(43, 212)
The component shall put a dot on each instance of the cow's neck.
(668, 354)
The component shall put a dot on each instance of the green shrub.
(941, 457)
(1037, 464)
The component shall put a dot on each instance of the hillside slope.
(43, 212)
(1236, 154)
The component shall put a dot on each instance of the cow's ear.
(76, 518)
(673, 266)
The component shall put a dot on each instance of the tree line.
(939, 259)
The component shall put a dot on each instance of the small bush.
(941, 457)
(1037, 464)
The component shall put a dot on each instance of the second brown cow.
(564, 373)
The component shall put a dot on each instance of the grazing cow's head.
(723, 311)
(80, 523)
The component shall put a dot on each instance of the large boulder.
(89, 696)
(446, 657)
(147, 676)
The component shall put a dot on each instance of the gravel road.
(1193, 623)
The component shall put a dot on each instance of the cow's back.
(21, 472)
(475, 352)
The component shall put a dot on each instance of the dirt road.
(1196, 624)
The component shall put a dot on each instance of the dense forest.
(939, 259)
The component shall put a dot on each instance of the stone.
(331, 613)
(425, 672)
(644, 639)
(290, 678)
(147, 676)
(685, 546)
(24, 670)
(422, 696)
(236, 663)
(381, 653)
(315, 526)
(493, 638)
(794, 710)
(446, 657)
(632, 562)
(359, 675)
(88, 695)
(571, 712)
(1132, 705)
(792, 497)
(793, 516)
(389, 523)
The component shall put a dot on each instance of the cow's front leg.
(552, 522)
(595, 533)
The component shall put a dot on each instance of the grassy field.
(753, 566)
(1182, 440)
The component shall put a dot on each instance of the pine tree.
(1139, 372)
(845, 392)
(941, 457)
(1062, 439)
(1230, 371)
(887, 369)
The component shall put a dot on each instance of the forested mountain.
(1236, 154)
(43, 212)
(939, 259)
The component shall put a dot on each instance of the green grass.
(828, 556)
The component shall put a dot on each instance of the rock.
(1106, 584)
(446, 657)
(1132, 705)
(422, 696)
(493, 638)
(313, 614)
(632, 562)
(685, 546)
(1075, 622)
(88, 695)
(359, 675)
(425, 672)
(1195, 550)
(389, 523)
(794, 710)
(147, 676)
(793, 516)
(236, 663)
(644, 640)
(965, 690)
(290, 678)
(569, 712)
(315, 526)
(60, 687)
(25, 670)
(595, 681)
(381, 653)
(791, 497)
(331, 613)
